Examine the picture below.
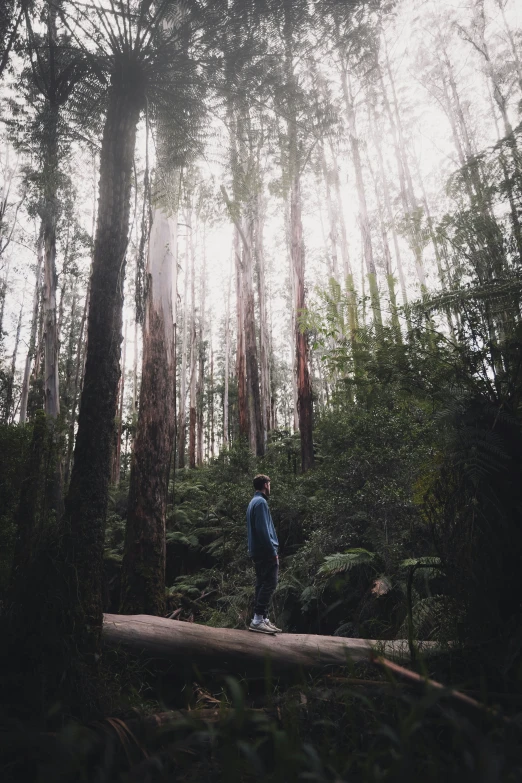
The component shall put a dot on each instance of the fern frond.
(345, 561)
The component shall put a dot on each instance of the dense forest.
(260, 236)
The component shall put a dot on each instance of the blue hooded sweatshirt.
(262, 537)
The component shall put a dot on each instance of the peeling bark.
(143, 567)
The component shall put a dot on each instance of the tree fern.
(344, 561)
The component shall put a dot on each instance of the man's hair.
(260, 480)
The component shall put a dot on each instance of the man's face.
(267, 489)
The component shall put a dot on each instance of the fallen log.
(237, 650)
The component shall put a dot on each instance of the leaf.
(351, 558)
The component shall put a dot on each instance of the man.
(262, 548)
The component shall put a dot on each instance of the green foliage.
(351, 558)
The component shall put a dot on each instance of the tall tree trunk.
(49, 217)
(193, 358)
(264, 342)
(412, 214)
(297, 251)
(345, 255)
(241, 373)
(80, 609)
(386, 255)
(3, 294)
(364, 221)
(32, 338)
(227, 370)
(143, 567)
(333, 222)
(78, 380)
(200, 385)
(182, 413)
(67, 390)
(116, 454)
(304, 387)
(256, 419)
(211, 446)
(293, 318)
(9, 394)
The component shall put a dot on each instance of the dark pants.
(267, 571)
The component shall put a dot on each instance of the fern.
(421, 562)
(345, 561)
(177, 537)
(428, 615)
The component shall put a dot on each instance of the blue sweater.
(262, 538)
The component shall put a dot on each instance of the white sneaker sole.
(262, 630)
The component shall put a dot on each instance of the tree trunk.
(386, 192)
(182, 414)
(227, 370)
(200, 385)
(364, 221)
(292, 324)
(232, 650)
(143, 567)
(32, 338)
(67, 391)
(244, 426)
(409, 200)
(3, 294)
(116, 455)
(78, 381)
(211, 427)
(192, 399)
(9, 394)
(304, 387)
(382, 186)
(50, 325)
(256, 418)
(333, 222)
(80, 608)
(264, 342)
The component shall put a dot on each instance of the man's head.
(262, 484)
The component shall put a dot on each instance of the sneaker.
(272, 626)
(262, 627)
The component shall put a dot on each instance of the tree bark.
(227, 370)
(77, 386)
(143, 568)
(297, 251)
(252, 365)
(232, 650)
(264, 341)
(32, 338)
(80, 609)
(244, 426)
(50, 325)
(200, 385)
(304, 387)
(182, 414)
(9, 394)
(193, 346)
(116, 455)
